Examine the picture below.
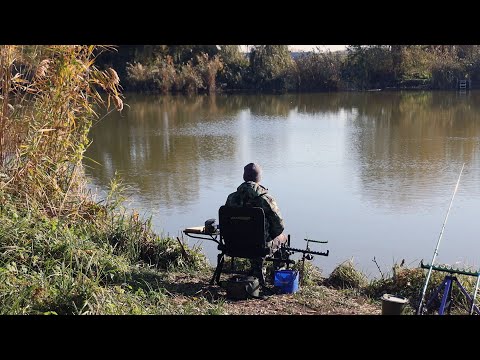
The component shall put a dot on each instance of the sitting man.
(251, 193)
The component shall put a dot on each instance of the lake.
(373, 173)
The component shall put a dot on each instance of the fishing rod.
(435, 253)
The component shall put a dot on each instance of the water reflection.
(408, 146)
(381, 163)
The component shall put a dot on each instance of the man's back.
(251, 193)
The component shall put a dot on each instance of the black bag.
(242, 287)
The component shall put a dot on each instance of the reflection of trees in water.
(401, 141)
(408, 145)
(179, 108)
(164, 143)
(223, 105)
(271, 105)
(147, 143)
(325, 102)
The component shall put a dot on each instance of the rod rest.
(449, 269)
(307, 251)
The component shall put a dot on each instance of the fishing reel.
(210, 226)
(283, 253)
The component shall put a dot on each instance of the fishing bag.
(242, 287)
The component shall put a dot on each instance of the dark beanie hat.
(252, 172)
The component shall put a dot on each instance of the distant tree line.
(271, 68)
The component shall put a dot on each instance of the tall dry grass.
(48, 99)
(163, 75)
(208, 70)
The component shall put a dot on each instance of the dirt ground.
(316, 299)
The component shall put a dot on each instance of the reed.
(208, 69)
(49, 96)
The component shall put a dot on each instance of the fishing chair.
(242, 235)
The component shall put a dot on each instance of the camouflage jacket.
(253, 194)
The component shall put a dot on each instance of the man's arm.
(273, 215)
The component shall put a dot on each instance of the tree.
(370, 66)
(319, 71)
(235, 66)
(272, 67)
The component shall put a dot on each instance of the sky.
(309, 47)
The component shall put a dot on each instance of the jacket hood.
(251, 189)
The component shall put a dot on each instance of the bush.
(345, 276)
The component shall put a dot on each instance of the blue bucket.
(286, 281)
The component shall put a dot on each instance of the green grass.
(54, 265)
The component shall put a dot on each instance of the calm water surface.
(372, 173)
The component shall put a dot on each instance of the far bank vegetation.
(272, 68)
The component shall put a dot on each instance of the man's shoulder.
(232, 198)
(268, 197)
(232, 194)
(268, 201)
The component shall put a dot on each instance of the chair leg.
(261, 279)
(218, 269)
(257, 269)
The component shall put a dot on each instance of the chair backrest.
(242, 231)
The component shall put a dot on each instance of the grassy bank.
(112, 263)
(108, 264)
